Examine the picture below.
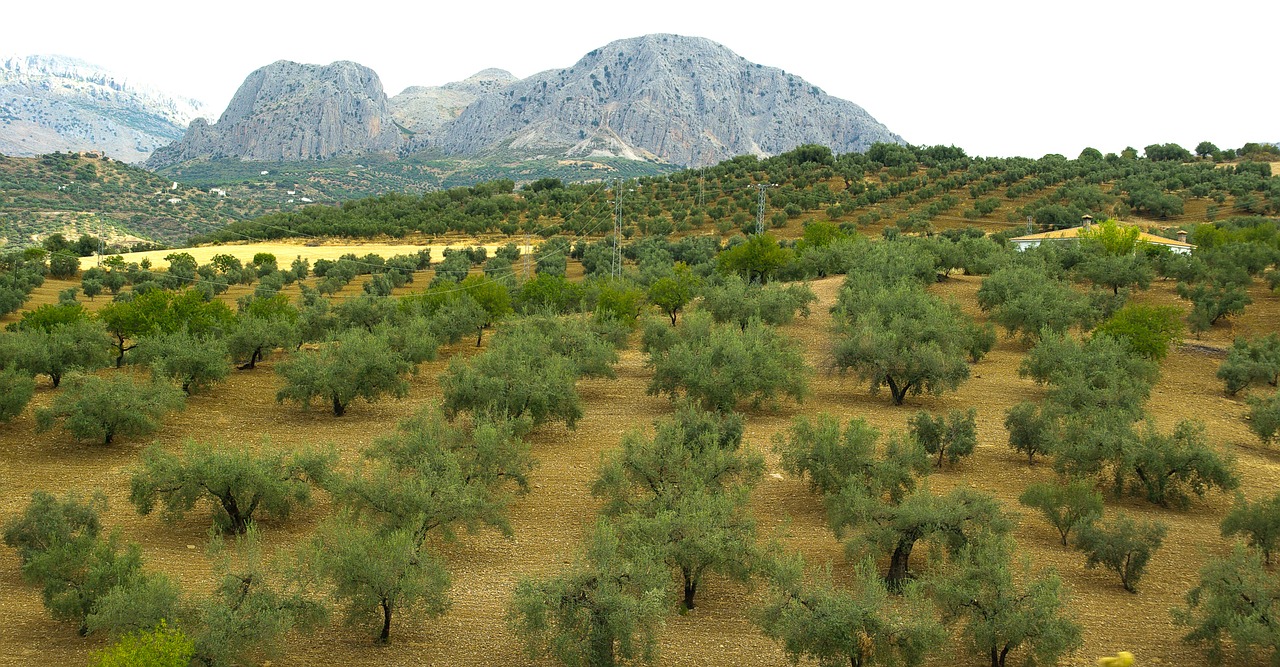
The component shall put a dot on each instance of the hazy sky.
(996, 78)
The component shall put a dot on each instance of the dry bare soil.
(549, 522)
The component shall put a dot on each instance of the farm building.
(1072, 234)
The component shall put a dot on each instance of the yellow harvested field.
(285, 251)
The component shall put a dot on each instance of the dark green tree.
(1031, 430)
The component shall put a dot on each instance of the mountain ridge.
(57, 103)
(661, 98)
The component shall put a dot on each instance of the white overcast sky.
(996, 78)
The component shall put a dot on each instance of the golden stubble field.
(551, 519)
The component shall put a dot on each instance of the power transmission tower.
(760, 205)
(616, 269)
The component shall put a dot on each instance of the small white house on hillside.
(1072, 234)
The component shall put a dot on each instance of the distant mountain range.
(661, 98)
(55, 103)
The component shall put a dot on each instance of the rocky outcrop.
(685, 100)
(289, 112)
(424, 110)
(55, 103)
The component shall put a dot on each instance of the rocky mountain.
(685, 100)
(424, 110)
(55, 103)
(289, 112)
(659, 98)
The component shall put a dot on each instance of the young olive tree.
(950, 438)
(1067, 507)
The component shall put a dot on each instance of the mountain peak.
(687, 100)
(289, 112)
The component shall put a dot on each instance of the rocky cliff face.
(424, 110)
(291, 112)
(685, 100)
(55, 103)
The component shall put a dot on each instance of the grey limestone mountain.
(424, 110)
(681, 100)
(55, 103)
(289, 111)
(685, 100)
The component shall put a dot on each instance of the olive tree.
(358, 364)
(951, 437)
(833, 459)
(16, 390)
(239, 483)
(722, 365)
(906, 339)
(683, 494)
(862, 626)
(605, 609)
(428, 478)
(1121, 545)
(1233, 610)
(95, 408)
(194, 362)
(1251, 362)
(1264, 416)
(1004, 609)
(518, 376)
(1258, 521)
(1067, 507)
(1032, 430)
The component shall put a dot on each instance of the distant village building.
(1072, 235)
